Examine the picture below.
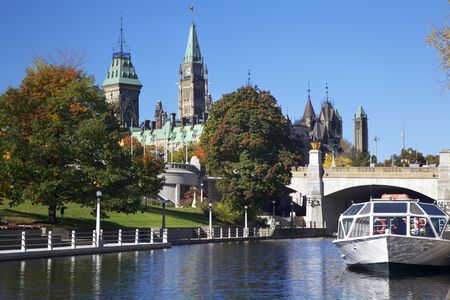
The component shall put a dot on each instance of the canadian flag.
(191, 7)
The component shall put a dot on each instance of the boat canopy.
(394, 216)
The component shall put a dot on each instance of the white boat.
(393, 231)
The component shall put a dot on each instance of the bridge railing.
(373, 172)
(187, 167)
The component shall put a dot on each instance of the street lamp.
(273, 208)
(194, 202)
(97, 222)
(201, 192)
(210, 220)
(245, 225)
(163, 225)
(292, 214)
(143, 138)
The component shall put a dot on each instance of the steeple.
(192, 54)
(122, 86)
(360, 113)
(309, 116)
(193, 95)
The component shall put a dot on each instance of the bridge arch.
(425, 187)
(337, 202)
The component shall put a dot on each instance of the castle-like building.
(122, 87)
(326, 127)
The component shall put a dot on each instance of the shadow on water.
(300, 269)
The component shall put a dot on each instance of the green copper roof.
(177, 135)
(121, 70)
(360, 113)
(192, 53)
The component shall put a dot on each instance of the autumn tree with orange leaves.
(59, 142)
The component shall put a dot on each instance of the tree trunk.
(52, 214)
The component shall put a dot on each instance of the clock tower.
(193, 96)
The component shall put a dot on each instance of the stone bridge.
(327, 192)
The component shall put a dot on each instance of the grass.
(80, 218)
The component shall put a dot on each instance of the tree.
(62, 143)
(360, 159)
(439, 38)
(246, 144)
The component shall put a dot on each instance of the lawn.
(80, 218)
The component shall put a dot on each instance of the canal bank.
(22, 245)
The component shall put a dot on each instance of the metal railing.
(23, 242)
(224, 233)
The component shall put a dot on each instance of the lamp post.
(187, 158)
(201, 192)
(292, 214)
(97, 221)
(210, 220)
(143, 139)
(245, 224)
(163, 225)
(273, 208)
(194, 202)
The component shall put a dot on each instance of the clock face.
(187, 71)
(197, 71)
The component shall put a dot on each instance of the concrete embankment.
(82, 250)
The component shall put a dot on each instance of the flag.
(191, 7)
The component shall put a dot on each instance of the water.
(289, 269)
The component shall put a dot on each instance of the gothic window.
(117, 73)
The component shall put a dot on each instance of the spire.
(121, 69)
(309, 92)
(121, 44)
(326, 90)
(249, 82)
(360, 113)
(192, 53)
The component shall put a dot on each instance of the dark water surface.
(288, 269)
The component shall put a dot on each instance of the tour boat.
(393, 231)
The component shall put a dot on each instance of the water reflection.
(308, 268)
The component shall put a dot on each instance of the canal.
(288, 269)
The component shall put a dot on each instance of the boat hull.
(395, 250)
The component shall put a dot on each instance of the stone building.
(122, 86)
(326, 127)
(193, 96)
(361, 131)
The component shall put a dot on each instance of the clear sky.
(371, 53)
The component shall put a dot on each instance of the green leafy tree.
(246, 144)
(360, 159)
(60, 143)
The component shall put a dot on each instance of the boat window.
(439, 224)
(353, 210)
(365, 210)
(392, 225)
(420, 226)
(389, 207)
(361, 227)
(432, 209)
(414, 209)
(340, 231)
(347, 222)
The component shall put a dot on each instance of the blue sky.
(371, 53)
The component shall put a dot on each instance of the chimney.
(172, 119)
(147, 124)
(153, 125)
